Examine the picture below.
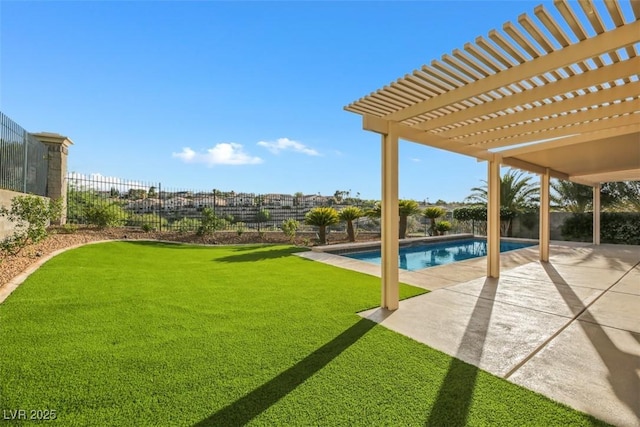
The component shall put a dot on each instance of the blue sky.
(244, 96)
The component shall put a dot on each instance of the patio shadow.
(253, 404)
(622, 366)
(454, 397)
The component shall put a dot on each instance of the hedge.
(615, 227)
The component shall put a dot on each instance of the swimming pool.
(432, 254)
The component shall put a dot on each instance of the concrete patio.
(569, 328)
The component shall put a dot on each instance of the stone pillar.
(56, 177)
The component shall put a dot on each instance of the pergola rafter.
(556, 93)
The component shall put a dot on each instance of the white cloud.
(416, 160)
(225, 153)
(282, 144)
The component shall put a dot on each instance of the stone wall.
(528, 227)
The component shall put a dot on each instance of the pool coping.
(410, 241)
(442, 276)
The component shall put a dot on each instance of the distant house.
(277, 200)
(242, 199)
(143, 205)
(314, 200)
(175, 203)
(201, 202)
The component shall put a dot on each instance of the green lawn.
(136, 334)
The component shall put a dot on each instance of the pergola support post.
(390, 220)
(493, 219)
(596, 214)
(545, 229)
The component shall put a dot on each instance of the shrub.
(210, 223)
(186, 225)
(442, 227)
(240, 227)
(148, 221)
(69, 229)
(289, 228)
(616, 227)
(31, 216)
(105, 214)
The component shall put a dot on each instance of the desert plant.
(289, 228)
(433, 213)
(350, 214)
(442, 227)
(406, 208)
(322, 217)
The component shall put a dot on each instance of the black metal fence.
(24, 160)
(98, 200)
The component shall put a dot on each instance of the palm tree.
(433, 213)
(517, 193)
(350, 214)
(322, 217)
(406, 209)
(571, 197)
(624, 195)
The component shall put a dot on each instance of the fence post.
(58, 146)
(159, 206)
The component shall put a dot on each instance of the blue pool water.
(432, 254)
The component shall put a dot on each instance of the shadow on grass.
(165, 244)
(451, 407)
(253, 404)
(259, 253)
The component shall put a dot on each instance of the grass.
(139, 334)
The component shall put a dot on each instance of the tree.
(152, 192)
(571, 197)
(406, 209)
(298, 197)
(263, 215)
(137, 193)
(517, 194)
(433, 213)
(322, 217)
(622, 195)
(350, 214)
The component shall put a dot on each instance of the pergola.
(556, 95)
